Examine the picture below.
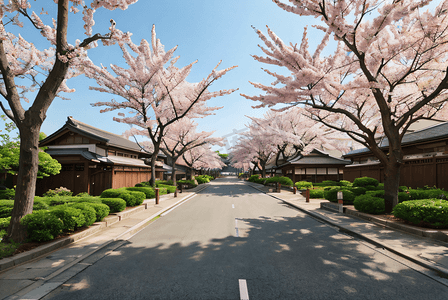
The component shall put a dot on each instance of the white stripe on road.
(236, 228)
(233, 205)
(173, 208)
(244, 294)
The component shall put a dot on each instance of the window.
(310, 170)
(321, 171)
(333, 171)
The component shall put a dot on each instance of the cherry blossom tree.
(154, 91)
(202, 158)
(46, 71)
(180, 137)
(387, 70)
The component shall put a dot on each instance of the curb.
(376, 242)
(10, 262)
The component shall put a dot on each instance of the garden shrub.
(42, 226)
(365, 181)
(6, 207)
(403, 188)
(83, 195)
(86, 200)
(54, 201)
(71, 217)
(376, 193)
(7, 194)
(169, 188)
(252, 178)
(148, 191)
(369, 204)
(61, 192)
(332, 195)
(302, 185)
(317, 194)
(4, 223)
(188, 183)
(144, 184)
(428, 213)
(420, 194)
(115, 204)
(101, 210)
(403, 196)
(283, 180)
(139, 197)
(111, 193)
(358, 190)
(345, 183)
(39, 204)
(202, 179)
(330, 183)
(88, 212)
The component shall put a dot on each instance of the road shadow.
(280, 258)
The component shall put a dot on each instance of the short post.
(175, 193)
(181, 186)
(157, 195)
(294, 190)
(340, 197)
(279, 187)
(307, 194)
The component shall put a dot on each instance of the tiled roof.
(317, 157)
(435, 132)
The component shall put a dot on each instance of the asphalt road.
(232, 242)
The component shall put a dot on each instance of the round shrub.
(61, 192)
(345, 183)
(332, 195)
(252, 178)
(302, 185)
(6, 207)
(403, 196)
(54, 201)
(148, 191)
(365, 181)
(101, 210)
(376, 193)
(88, 212)
(86, 200)
(71, 217)
(115, 204)
(428, 213)
(111, 193)
(139, 197)
(83, 195)
(7, 194)
(42, 225)
(358, 191)
(169, 188)
(369, 204)
(317, 194)
(330, 183)
(283, 180)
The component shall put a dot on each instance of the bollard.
(157, 195)
(175, 193)
(279, 187)
(294, 190)
(341, 202)
(181, 188)
(307, 194)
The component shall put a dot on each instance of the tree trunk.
(391, 185)
(173, 172)
(26, 182)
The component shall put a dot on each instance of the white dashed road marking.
(244, 294)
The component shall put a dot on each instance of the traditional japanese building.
(425, 159)
(316, 166)
(94, 160)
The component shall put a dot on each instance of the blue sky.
(203, 30)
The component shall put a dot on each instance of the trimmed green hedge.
(331, 195)
(88, 212)
(101, 210)
(71, 217)
(133, 196)
(115, 204)
(302, 185)
(42, 226)
(365, 182)
(280, 179)
(428, 213)
(369, 204)
(317, 194)
(148, 191)
(188, 183)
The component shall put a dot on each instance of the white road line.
(173, 208)
(237, 234)
(233, 205)
(244, 294)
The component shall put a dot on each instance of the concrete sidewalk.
(33, 274)
(400, 240)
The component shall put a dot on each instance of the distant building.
(94, 160)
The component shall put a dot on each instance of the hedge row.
(45, 225)
(428, 213)
(279, 179)
(132, 196)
